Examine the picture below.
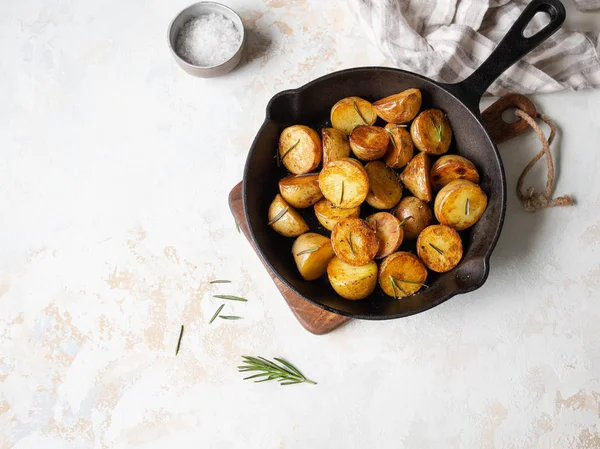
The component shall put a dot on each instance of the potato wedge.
(460, 204)
(431, 132)
(301, 191)
(351, 112)
(440, 248)
(401, 274)
(286, 220)
(451, 167)
(414, 215)
(352, 282)
(384, 188)
(399, 108)
(312, 253)
(335, 145)
(328, 214)
(354, 241)
(369, 143)
(390, 233)
(344, 182)
(415, 177)
(300, 149)
(400, 149)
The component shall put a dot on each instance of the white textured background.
(114, 172)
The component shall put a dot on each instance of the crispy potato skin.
(312, 265)
(328, 214)
(335, 145)
(450, 206)
(388, 231)
(447, 241)
(345, 118)
(421, 214)
(291, 224)
(431, 132)
(300, 149)
(450, 167)
(402, 266)
(344, 183)
(300, 191)
(399, 108)
(354, 241)
(400, 149)
(384, 188)
(369, 143)
(415, 177)
(352, 282)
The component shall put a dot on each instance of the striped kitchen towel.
(447, 39)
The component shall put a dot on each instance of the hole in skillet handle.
(540, 20)
(499, 129)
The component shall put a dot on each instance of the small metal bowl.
(197, 10)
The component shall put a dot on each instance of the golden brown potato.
(351, 112)
(401, 274)
(312, 253)
(390, 233)
(415, 177)
(400, 149)
(352, 282)
(431, 132)
(354, 241)
(284, 219)
(369, 142)
(328, 214)
(451, 167)
(384, 188)
(399, 108)
(460, 204)
(440, 248)
(300, 191)
(335, 145)
(300, 149)
(414, 215)
(344, 182)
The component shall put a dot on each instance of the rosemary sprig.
(214, 317)
(179, 340)
(277, 217)
(285, 373)
(392, 138)
(231, 317)
(404, 221)
(396, 286)
(467, 207)
(220, 281)
(359, 113)
(237, 226)
(230, 297)
(349, 240)
(414, 283)
(308, 251)
(305, 174)
(437, 249)
(438, 128)
(342, 194)
(290, 149)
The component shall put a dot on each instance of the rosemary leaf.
(216, 313)
(237, 226)
(437, 249)
(414, 283)
(305, 174)
(231, 317)
(179, 340)
(396, 286)
(290, 149)
(220, 281)
(230, 297)
(359, 113)
(404, 221)
(392, 138)
(284, 372)
(342, 195)
(349, 240)
(308, 251)
(467, 207)
(277, 217)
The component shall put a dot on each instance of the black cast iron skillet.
(311, 104)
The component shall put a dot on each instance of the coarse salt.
(208, 40)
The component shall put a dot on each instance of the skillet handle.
(510, 49)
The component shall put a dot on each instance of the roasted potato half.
(402, 274)
(352, 282)
(286, 220)
(399, 108)
(450, 167)
(384, 188)
(335, 145)
(300, 191)
(388, 230)
(354, 241)
(400, 149)
(348, 113)
(300, 149)
(312, 253)
(328, 214)
(415, 177)
(460, 204)
(414, 215)
(440, 248)
(369, 142)
(344, 182)
(431, 132)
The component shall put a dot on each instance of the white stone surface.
(115, 167)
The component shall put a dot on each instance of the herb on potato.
(437, 249)
(277, 217)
